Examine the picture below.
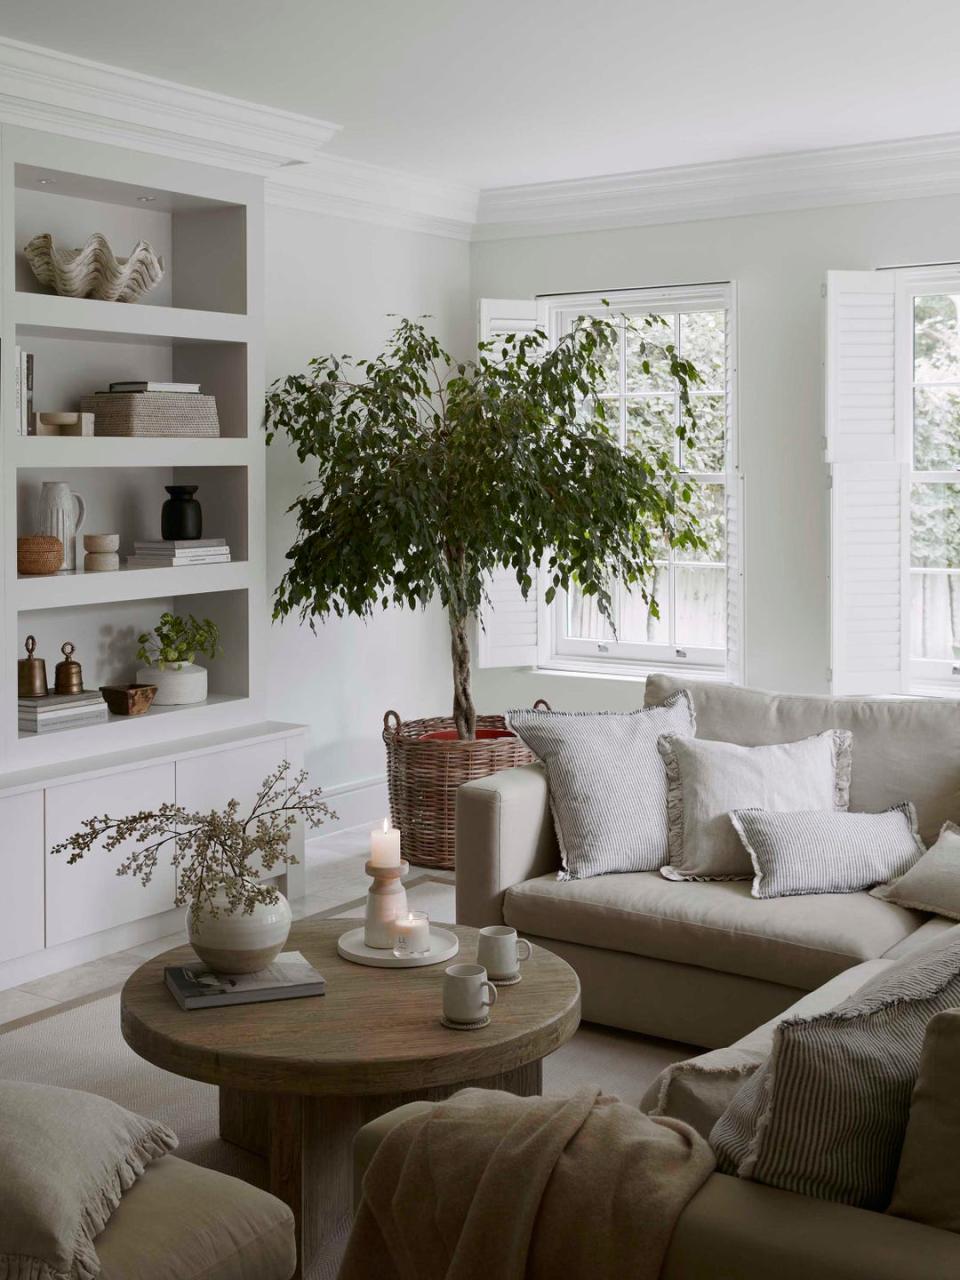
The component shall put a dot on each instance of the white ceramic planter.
(240, 943)
(176, 686)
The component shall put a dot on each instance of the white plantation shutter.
(509, 631)
(869, 500)
(861, 417)
(735, 543)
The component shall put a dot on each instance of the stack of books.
(60, 711)
(162, 555)
(23, 379)
(196, 986)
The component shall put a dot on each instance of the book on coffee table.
(197, 986)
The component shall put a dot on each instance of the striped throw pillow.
(821, 852)
(608, 789)
(827, 1113)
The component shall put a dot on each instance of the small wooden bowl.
(39, 554)
(128, 699)
(99, 543)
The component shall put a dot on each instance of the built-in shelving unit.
(203, 324)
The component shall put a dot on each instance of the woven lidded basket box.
(152, 413)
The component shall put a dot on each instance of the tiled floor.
(335, 875)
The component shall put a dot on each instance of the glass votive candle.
(413, 935)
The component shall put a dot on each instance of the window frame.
(618, 658)
(932, 676)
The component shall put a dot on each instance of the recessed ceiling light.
(46, 182)
(145, 199)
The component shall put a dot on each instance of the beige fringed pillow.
(66, 1158)
(933, 883)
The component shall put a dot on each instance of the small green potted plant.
(168, 653)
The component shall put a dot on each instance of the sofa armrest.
(734, 1229)
(505, 835)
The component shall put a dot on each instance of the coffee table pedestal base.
(307, 1142)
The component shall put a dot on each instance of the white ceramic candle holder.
(386, 899)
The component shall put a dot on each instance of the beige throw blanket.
(489, 1186)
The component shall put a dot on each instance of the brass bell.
(69, 677)
(31, 674)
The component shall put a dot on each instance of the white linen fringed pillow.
(933, 883)
(66, 1158)
(827, 1113)
(706, 780)
(608, 793)
(819, 852)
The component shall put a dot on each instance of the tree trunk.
(464, 712)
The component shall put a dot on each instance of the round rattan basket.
(39, 554)
(423, 774)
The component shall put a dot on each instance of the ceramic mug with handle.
(467, 993)
(500, 951)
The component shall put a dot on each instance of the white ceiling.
(506, 92)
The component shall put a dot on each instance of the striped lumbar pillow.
(820, 852)
(827, 1113)
(608, 792)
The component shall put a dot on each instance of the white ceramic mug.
(500, 951)
(464, 988)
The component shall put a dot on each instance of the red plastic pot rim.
(450, 735)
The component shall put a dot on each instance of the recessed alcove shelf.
(202, 324)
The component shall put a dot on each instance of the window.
(698, 594)
(934, 528)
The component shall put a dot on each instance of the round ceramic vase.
(235, 942)
(176, 685)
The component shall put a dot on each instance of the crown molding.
(370, 193)
(54, 91)
(908, 169)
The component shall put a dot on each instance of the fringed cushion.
(66, 1158)
(827, 1113)
(608, 793)
(705, 780)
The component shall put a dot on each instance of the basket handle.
(542, 704)
(391, 726)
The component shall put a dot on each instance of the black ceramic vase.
(181, 518)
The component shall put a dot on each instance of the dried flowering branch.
(211, 853)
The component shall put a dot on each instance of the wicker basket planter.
(424, 770)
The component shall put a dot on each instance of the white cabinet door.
(209, 781)
(89, 896)
(21, 903)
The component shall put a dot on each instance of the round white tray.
(444, 945)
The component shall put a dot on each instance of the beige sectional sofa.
(705, 963)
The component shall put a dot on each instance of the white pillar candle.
(413, 933)
(385, 846)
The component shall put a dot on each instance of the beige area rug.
(79, 1046)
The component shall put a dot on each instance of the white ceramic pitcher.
(61, 516)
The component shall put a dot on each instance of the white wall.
(779, 262)
(330, 285)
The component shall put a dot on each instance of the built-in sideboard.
(52, 915)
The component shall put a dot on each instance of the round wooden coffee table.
(297, 1078)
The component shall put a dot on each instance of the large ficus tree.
(432, 472)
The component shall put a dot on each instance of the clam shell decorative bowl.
(94, 271)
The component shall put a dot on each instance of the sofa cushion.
(181, 1222)
(608, 792)
(66, 1159)
(903, 748)
(699, 1090)
(933, 883)
(706, 780)
(827, 1113)
(928, 1178)
(800, 942)
(827, 852)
